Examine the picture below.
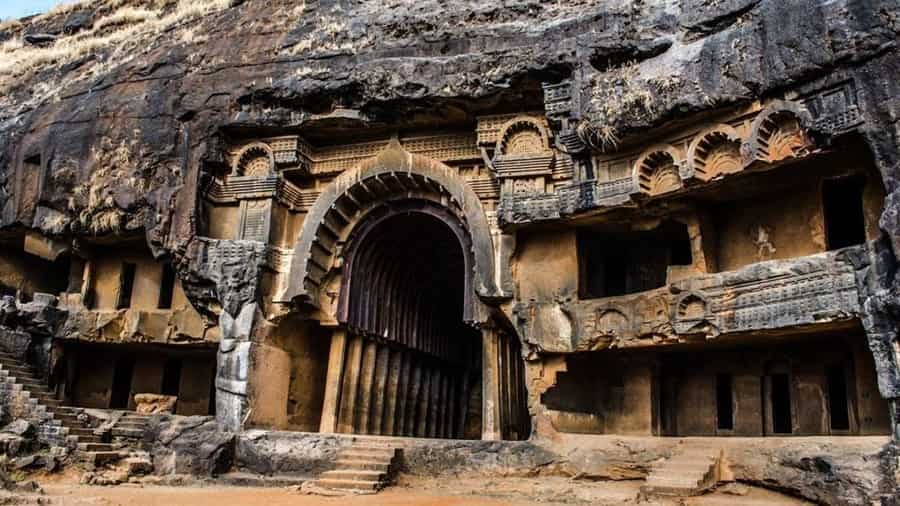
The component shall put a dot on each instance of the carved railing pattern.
(817, 289)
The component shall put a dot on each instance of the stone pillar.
(490, 384)
(379, 394)
(334, 382)
(353, 359)
(233, 368)
(424, 398)
(364, 404)
(412, 406)
(434, 403)
(391, 394)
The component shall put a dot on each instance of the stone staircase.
(93, 450)
(367, 465)
(692, 471)
(131, 426)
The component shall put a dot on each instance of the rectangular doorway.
(781, 403)
(121, 387)
(837, 398)
(724, 402)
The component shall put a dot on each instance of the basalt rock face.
(118, 133)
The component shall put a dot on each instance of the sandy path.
(227, 496)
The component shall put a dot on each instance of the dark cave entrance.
(413, 365)
(413, 359)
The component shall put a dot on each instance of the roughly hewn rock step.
(354, 475)
(673, 491)
(101, 458)
(126, 432)
(348, 484)
(355, 454)
(363, 465)
(689, 473)
(95, 447)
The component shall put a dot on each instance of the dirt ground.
(408, 492)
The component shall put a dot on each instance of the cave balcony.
(179, 325)
(774, 298)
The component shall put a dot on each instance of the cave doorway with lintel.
(413, 358)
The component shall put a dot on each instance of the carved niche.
(254, 160)
(657, 170)
(778, 133)
(523, 158)
(715, 152)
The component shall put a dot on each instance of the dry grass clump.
(124, 26)
(114, 167)
(622, 96)
(125, 16)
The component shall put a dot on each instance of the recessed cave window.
(781, 403)
(724, 402)
(166, 287)
(619, 263)
(837, 398)
(121, 387)
(842, 199)
(171, 377)
(126, 285)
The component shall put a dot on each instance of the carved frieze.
(761, 136)
(834, 109)
(770, 295)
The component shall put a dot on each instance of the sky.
(20, 8)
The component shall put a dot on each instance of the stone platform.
(827, 470)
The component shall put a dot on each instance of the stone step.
(95, 447)
(63, 410)
(129, 433)
(353, 475)
(348, 484)
(380, 452)
(680, 465)
(81, 431)
(88, 439)
(70, 421)
(362, 465)
(31, 384)
(675, 477)
(132, 416)
(17, 370)
(376, 443)
(351, 454)
(670, 475)
(673, 491)
(131, 425)
(672, 481)
(10, 364)
(101, 458)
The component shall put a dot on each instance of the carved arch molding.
(393, 175)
